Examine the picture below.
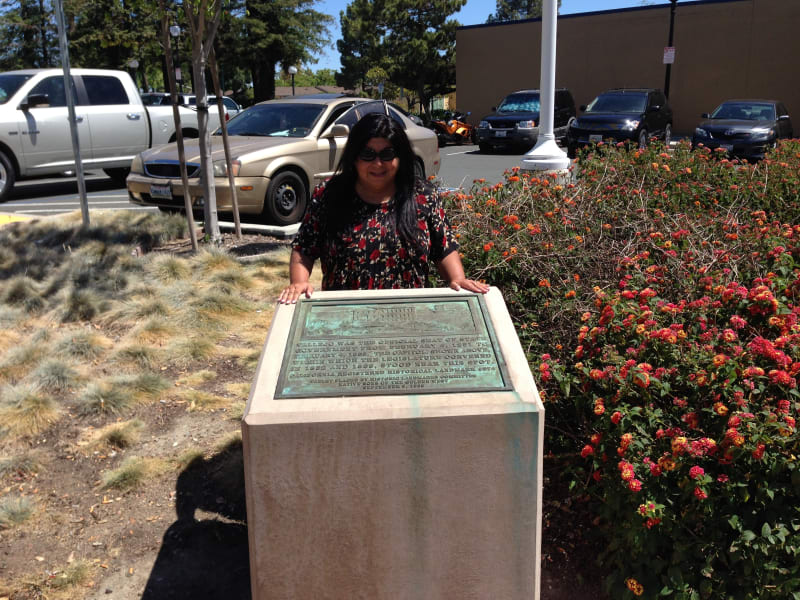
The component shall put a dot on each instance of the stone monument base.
(426, 496)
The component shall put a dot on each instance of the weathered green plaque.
(419, 345)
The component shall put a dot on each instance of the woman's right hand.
(293, 291)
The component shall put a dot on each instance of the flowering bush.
(670, 284)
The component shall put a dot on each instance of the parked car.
(113, 124)
(515, 122)
(163, 99)
(620, 115)
(281, 149)
(745, 128)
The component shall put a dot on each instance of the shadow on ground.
(206, 559)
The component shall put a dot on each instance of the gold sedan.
(280, 150)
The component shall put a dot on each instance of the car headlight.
(483, 125)
(762, 132)
(221, 169)
(701, 133)
(526, 125)
(137, 165)
(629, 125)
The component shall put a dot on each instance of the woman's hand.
(469, 285)
(292, 292)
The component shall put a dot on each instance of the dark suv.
(622, 115)
(515, 123)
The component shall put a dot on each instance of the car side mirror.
(582, 107)
(337, 130)
(34, 100)
(655, 108)
(705, 116)
(783, 118)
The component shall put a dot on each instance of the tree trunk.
(206, 167)
(263, 81)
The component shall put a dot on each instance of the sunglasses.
(367, 154)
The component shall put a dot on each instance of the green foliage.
(657, 298)
(412, 41)
(515, 10)
(307, 78)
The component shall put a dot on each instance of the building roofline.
(603, 12)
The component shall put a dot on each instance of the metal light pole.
(292, 71)
(546, 155)
(73, 123)
(673, 3)
(175, 31)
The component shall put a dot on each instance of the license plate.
(595, 137)
(499, 134)
(728, 147)
(162, 191)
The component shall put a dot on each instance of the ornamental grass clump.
(658, 300)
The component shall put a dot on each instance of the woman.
(374, 225)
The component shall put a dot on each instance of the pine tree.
(515, 10)
(27, 35)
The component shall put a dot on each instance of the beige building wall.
(724, 49)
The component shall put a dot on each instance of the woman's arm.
(300, 266)
(452, 271)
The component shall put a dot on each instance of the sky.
(474, 12)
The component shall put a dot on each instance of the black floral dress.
(369, 253)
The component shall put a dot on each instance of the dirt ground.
(183, 534)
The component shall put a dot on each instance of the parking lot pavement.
(461, 165)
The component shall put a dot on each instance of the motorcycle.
(453, 129)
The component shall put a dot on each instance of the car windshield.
(520, 103)
(618, 103)
(9, 84)
(745, 111)
(277, 120)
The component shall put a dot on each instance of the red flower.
(700, 493)
(696, 471)
(616, 417)
(587, 451)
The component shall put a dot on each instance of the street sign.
(669, 55)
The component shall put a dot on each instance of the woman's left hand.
(470, 285)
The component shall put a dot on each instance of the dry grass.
(200, 400)
(232, 439)
(155, 330)
(197, 378)
(26, 410)
(207, 261)
(54, 374)
(82, 344)
(140, 356)
(145, 386)
(24, 464)
(19, 360)
(15, 510)
(73, 575)
(167, 268)
(121, 435)
(238, 390)
(8, 339)
(132, 473)
(236, 412)
(184, 351)
(23, 292)
(106, 396)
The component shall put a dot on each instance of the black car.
(515, 123)
(744, 128)
(619, 115)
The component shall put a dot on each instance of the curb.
(6, 218)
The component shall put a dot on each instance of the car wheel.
(484, 148)
(643, 138)
(668, 134)
(419, 170)
(118, 174)
(286, 199)
(7, 177)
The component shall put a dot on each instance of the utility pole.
(673, 3)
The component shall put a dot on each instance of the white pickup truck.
(113, 124)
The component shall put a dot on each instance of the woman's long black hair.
(340, 194)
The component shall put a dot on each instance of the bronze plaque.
(391, 346)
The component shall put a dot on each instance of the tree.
(307, 77)
(360, 47)
(285, 32)
(27, 35)
(515, 10)
(421, 44)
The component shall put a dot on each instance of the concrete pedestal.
(429, 496)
